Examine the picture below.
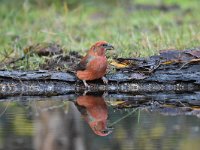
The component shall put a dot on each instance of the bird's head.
(100, 128)
(99, 48)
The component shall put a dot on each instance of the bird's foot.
(85, 92)
(105, 80)
(105, 94)
(86, 85)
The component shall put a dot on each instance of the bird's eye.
(104, 131)
(104, 45)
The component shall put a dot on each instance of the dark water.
(97, 123)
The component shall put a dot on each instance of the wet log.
(191, 98)
(177, 71)
(59, 83)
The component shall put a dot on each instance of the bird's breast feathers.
(94, 68)
(97, 64)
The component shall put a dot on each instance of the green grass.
(133, 32)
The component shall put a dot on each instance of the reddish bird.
(94, 64)
(95, 113)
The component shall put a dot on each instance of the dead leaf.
(44, 49)
(119, 65)
(194, 53)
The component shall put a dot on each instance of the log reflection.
(56, 130)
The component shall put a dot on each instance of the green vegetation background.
(134, 27)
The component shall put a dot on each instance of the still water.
(92, 122)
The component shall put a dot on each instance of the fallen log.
(50, 85)
(170, 71)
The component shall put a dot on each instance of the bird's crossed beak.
(109, 47)
(108, 130)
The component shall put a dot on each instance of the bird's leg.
(85, 83)
(105, 80)
(85, 92)
(105, 94)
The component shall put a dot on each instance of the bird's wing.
(84, 62)
(82, 109)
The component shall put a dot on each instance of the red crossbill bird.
(95, 112)
(94, 64)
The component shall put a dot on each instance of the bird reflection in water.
(57, 129)
(95, 112)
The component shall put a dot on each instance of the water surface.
(97, 123)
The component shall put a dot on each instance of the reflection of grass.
(123, 117)
(133, 32)
(4, 108)
(22, 125)
(14, 119)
